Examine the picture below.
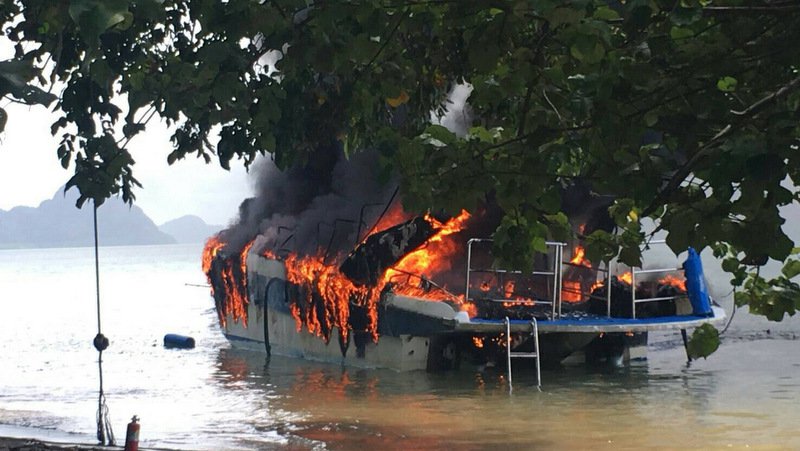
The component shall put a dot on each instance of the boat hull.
(415, 334)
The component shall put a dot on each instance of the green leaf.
(631, 256)
(679, 33)
(587, 49)
(727, 84)
(482, 134)
(561, 16)
(436, 134)
(600, 246)
(15, 78)
(685, 16)
(95, 17)
(605, 13)
(539, 244)
(651, 118)
(704, 341)
(550, 200)
(483, 56)
(730, 265)
(791, 269)
(623, 211)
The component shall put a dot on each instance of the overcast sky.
(31, 173)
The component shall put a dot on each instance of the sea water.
(215, 397)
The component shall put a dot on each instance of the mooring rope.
(733, 313)
(105, 435)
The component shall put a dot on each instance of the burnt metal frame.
(607, 271)
(635, 301)
(634, 272)
(556, 273)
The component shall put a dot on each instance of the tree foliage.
(686, 112)
(704, 341)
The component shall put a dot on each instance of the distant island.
(189, 229)
(58, 223)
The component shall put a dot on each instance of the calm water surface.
(747, 395)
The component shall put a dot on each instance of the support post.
(686, 345)
(508, 353)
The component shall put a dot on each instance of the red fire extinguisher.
(132, 435)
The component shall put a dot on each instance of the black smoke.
(321, 205)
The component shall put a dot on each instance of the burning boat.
(391, 302)
(325, 264)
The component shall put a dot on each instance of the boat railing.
(640, 271)
(606, 269)
(555, 272)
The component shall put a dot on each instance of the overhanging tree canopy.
(686, 113)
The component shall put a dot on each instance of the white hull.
(423, 335)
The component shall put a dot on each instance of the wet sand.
(21, 444)
(31, 444)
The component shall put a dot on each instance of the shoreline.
(31, 444)
(35, 444)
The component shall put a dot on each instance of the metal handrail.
(511, 271)
(608, 288)
(650, 271)
(634, 272)
(660, 298)
(531, 355)
(555, 272)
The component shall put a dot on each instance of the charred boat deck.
(371, 312)
(592, 324)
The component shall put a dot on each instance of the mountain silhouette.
(189, 229)
(58, 223)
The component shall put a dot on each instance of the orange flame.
(508, 288)
(233, 281)
(434, 257)
(520, 301)
(471, 309)
(578, 257)
(626, 278)
(337, 291)
(673, 281)
(392, 217)
(597, 284)
(213, 245)
(334, 288)
(571, 291)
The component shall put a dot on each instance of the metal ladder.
(524, 355)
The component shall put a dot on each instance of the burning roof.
(403, 256)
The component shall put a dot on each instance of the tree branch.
(680, 175)
(773, 9)
(754, 108)
(389, 37)
(526, 104)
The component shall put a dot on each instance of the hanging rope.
(104, 433)
(733, 313)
